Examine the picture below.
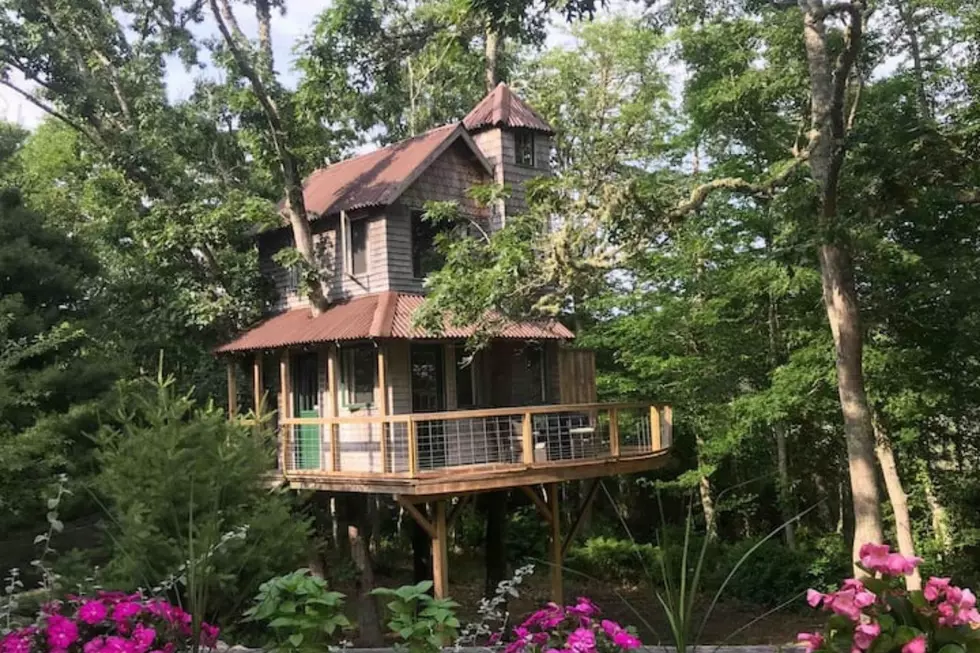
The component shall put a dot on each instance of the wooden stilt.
(232, 389)
(440, 551)
(285, 409)
(557, 590)
(589, 498)
(257, 384)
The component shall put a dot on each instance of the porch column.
(332, 409)
(257, 383)
(232, 389)
(557, 589)
(285, 409)
(383, 404)
(440, 551)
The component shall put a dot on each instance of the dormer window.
(354, 245)
(426, 258)
(524, 147)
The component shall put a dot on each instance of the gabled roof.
(378, 178)
(383, 315)
(501, 108)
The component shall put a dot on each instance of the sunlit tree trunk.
(940, 524)
(704, 492)
(826, 150)
(359, 532)
(491, 58)
(897, 498)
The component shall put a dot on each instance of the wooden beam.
(527, 440)
(668, 435)
(557, 590)
(417, 515)
(332, 407)
(413, 449)
(539, 503)
(383, 404)
(257, 392)
(656, 441)
(579, 518)
(440, 552)
(232, 388)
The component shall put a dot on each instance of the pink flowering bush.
(571, 629)
(109, 622)
(879, 614)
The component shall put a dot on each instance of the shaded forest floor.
(622, 603)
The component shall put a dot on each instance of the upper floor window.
(355, 245)
(524, 147)
(426, 258)
(465, 395)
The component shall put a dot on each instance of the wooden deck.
(458, 452)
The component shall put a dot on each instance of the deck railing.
(421, 444)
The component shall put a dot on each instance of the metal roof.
(501, 108)
(382, 315)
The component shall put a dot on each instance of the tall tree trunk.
(940, 524)
(898, 499)
(907, 16)
(495, 540)
(263, 16)
(707, 502)
(421, 552)
(491, 60)
(785, 488)
(359, 532)
(826, 150)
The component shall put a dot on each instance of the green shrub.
(613, 559)
(421, 623)
(189, 508)
(769, 576)
(298, 612)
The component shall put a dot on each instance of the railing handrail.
(476, 413)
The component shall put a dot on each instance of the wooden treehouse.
(368, 403)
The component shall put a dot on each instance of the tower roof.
(501, 108)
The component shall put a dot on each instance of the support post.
(557, 590)
(413, 449)
(668, 435)
(614, 432)
(285, 408)
(440, 552)
(383, 405)
(332, 428)
(257, 383)
(232, 389)
(527, 440)
(656, 442)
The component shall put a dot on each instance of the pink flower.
(143, 636)
(846, 603)
(865, 634)
(813, 597)
(917, 645)
(610, 627)
(115, 644)
(898, 565)
(18, 641)
(125, 610)
(62, 632)
(874, 557)
(92, 612)
(582, 640)
(810, 641)
(625, 641)
(935, 587)
(583, 608)
(94, 645)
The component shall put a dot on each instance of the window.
(427, 380)
(524, 148)
(354, 245)
(426, 258)
(535, 362)
(465, 397)
(357, 373)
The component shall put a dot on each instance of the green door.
(306, 392)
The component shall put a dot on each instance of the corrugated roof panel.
(502, 108)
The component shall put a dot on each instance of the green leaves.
(301, 612)
(422, 623)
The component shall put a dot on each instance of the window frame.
(348, 380)
(459, 352)
(413, 215)
(347, 245)
(530, 136)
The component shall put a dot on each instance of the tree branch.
(51, 111)
(846, 60)
(701, 193)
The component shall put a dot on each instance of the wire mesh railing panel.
(634, 431)
(396, 447)
(571, 435)
(303, 448)
(360, 448)
(460, 442)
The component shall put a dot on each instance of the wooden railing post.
(285, 408)
(334, 447)
(413, 449)
(656, 442)
(668, 436)
(614, 432)
(527, 439)
(257, 383)
(232, 389)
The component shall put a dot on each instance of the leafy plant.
(574, 628)
(879, 614)
(299, 611)
(422, 623)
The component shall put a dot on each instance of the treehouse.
(367, 402)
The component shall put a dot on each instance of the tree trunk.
(785, 488)
(495, 540)
(360, 548)
(828, 90)
(940, 525)
(707, 502)
(906, 14)
(264, 17)
(341, 511)
(421, 551)
(491, 58)
(898, 499)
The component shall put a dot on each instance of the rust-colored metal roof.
(376, 178)
(383, 315)
(501, 108)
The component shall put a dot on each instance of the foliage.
(112, 622)
(610, 558)
(421, 623)
(878, 613)
(571, 628)
(184, 489)
(298, 610)
(769, 576)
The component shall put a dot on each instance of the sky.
(287, 30)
